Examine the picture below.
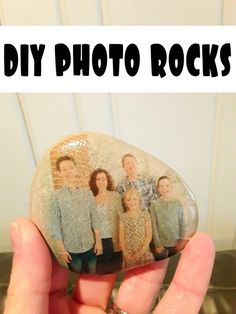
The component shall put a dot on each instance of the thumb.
(31, 270)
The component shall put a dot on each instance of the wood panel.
(222, 216)
(95, 113)
(49, 117)
(159, 12)
(80, 12)
(16, 166)
(30, 12)
(229, 12)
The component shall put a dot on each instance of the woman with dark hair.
(109, 208)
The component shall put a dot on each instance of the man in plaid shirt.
(145, 186)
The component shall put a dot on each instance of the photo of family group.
(100, 224)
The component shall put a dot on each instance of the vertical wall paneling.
(80, 12)
(223, 211)
(221, 12)
(16, 166)
(27, 125)
(115, 116)
(28, 12)
(95, 112)
(79, 114)
(49, 118)
(101, 13)
(1, 14)
(112, 115)
(229, 12)
(158, 12)
(214, 164)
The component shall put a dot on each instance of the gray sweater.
(167, 222)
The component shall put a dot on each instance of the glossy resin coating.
(104, 205)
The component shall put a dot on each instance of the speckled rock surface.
(104, 205)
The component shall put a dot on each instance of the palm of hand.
(39, 285)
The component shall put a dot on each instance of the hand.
(65, 257)
(98, 250)
(38, 284)
(160, 249)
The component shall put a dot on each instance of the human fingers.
(94, 290)
(64, 258)
(68, 258)
(60, 276)
(95, 250)
(190, 283)
(98, 250)
(31, 270)
(160, 249)
(59, 301)
(139, 288)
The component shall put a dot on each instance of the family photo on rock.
(111, 226)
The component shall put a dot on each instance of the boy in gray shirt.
(75, 223)
(167, 220)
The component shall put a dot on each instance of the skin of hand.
(159, 249)
(39, 285)
(63, 254)
(65, 257)
(98, 248)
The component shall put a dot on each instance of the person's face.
(68, 170)
(130, 165)
(132, 201)
(101, 181)
(164, 187)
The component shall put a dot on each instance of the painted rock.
(104, 205)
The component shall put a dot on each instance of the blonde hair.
(131, 191)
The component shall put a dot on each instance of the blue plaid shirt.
(145, 186)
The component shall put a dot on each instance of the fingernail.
(15, 237)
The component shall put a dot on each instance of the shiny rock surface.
(104, 205)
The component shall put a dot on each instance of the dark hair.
(162, 178)
(127, 155)
(64, 158)
(93, 177)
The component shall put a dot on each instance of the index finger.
(140, 286)
(190, 283)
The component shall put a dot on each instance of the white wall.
(193, 133)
